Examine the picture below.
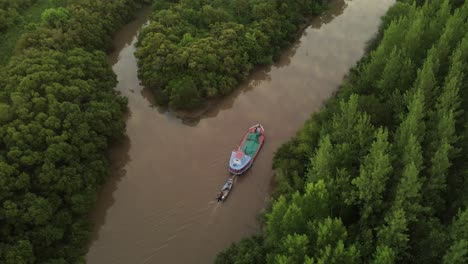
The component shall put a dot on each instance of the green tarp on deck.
(251, 144)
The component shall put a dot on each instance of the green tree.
(244, 252)
(20, 252)
(442, 137)
(406, 207)
(397, 76)
(454, 30)
(351, 133)
(315, 201)
(393, 234)
(371, 182)
(408, 196)
(426, 81)
(458, 251)
(55, 17)
(322, 164)
(183, 93)
(273, 225)
(384, 255)
(410, 133)
(293, 249)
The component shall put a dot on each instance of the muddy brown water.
(158, 204)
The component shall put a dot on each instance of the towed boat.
(222, 195)
(243, 158)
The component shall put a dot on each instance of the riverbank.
(58, 113)
(191, 52)
(378, 174)
(192, 117)
(161, 199)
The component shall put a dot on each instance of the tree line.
(58, 115)
(379, 175)
(195, 50)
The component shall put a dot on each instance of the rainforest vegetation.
(10, 11)
(18, 17)
(58, 113)
(194, 50)
(380, 175)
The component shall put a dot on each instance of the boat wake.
(154, 253)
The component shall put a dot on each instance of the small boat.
(222, 195)
(243, 158)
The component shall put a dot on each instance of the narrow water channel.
(158, 205)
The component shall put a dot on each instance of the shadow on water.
(127, 34)
(215, 106)
(335, 9)
(118, 154)
(118, 158)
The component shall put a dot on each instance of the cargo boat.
(243, 158)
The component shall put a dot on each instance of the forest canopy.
(195, 50)
(379, 175)
(10, 12)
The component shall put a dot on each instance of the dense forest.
(19, 17)
(10, 11)
(379, 175)
(58, 114)
(194, 50)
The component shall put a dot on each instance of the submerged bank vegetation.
(380, 175)
(58, 113)
(195, 50)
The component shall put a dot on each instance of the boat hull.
(227, 187)
(242, 159)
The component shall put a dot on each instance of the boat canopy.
(251, 144)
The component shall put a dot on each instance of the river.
(158, 204)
